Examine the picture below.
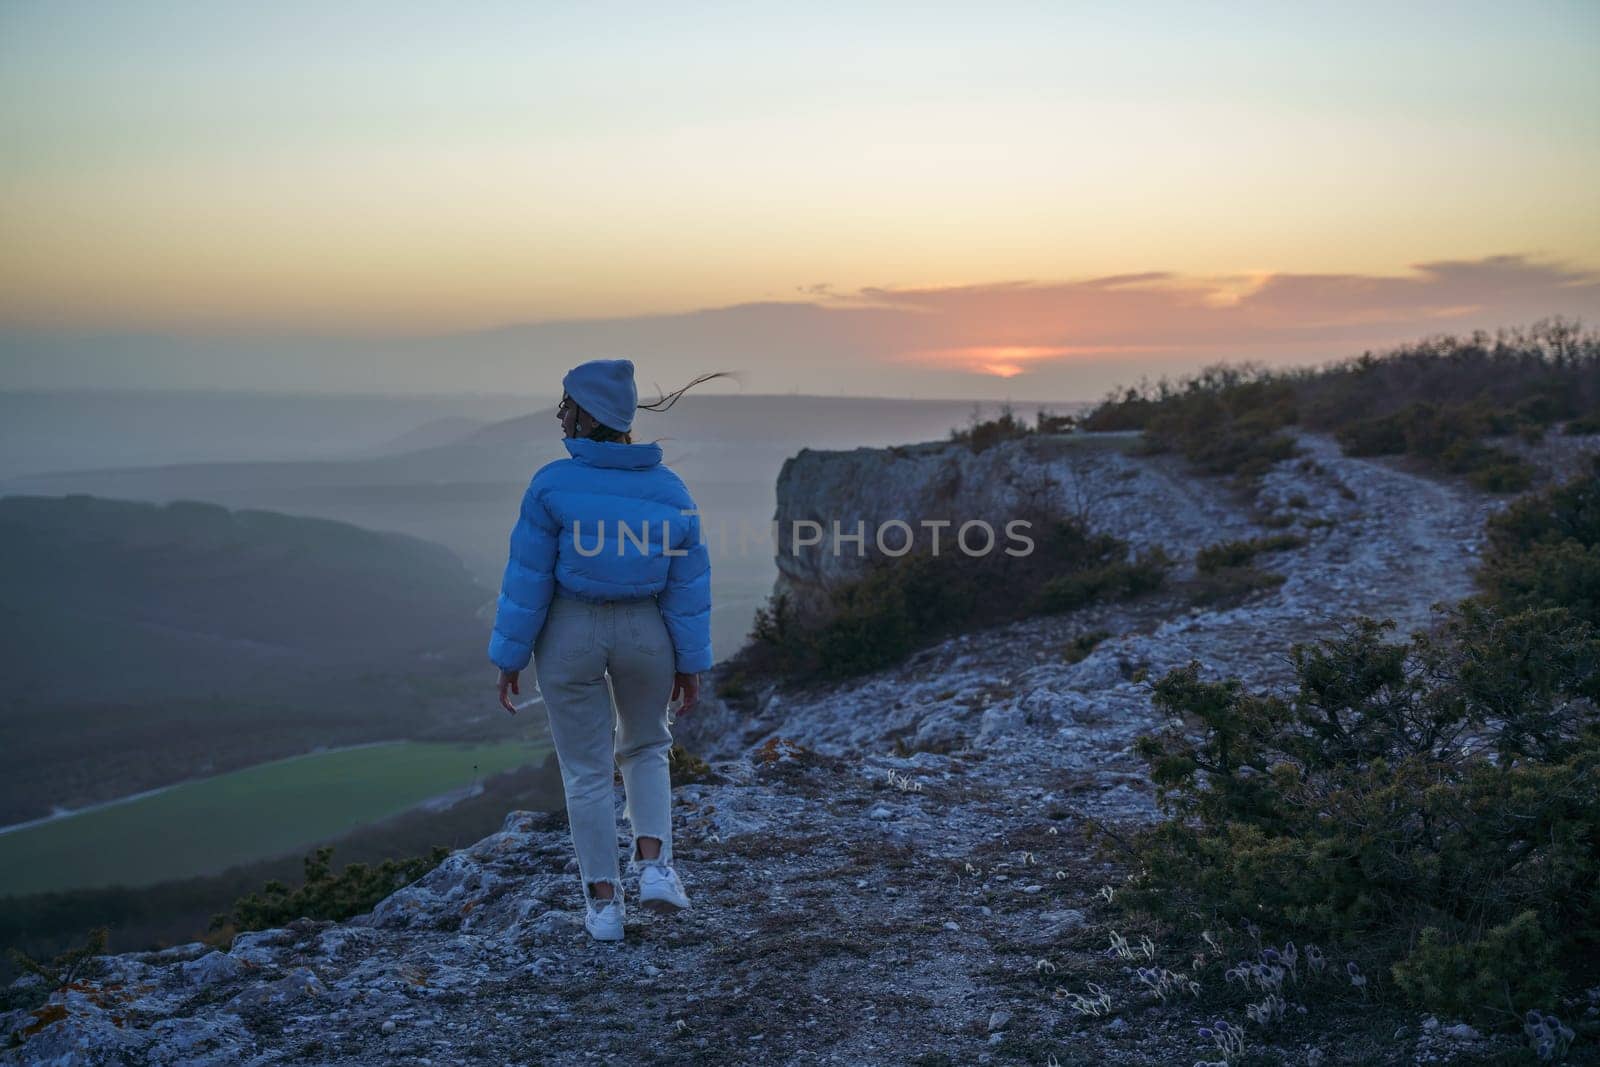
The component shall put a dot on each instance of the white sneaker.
(660, 890)
(603, 919)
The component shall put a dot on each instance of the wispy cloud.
(1160, 310)
(1063, 340)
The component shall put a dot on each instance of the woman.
(608, 577)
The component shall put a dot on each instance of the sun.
(997, 361)
(1009, 361)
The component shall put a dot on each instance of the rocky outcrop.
(901, 868)
(1145, 500)
(1379, 541)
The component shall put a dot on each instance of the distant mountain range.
(46, 431)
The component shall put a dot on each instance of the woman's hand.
(689, 686)
(508, 681)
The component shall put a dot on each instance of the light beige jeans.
(596, 726)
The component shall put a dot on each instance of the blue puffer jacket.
(620, 496)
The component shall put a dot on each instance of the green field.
(264, 811)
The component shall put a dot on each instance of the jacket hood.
(613, 453)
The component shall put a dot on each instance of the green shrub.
(1381, 436)
(1555, 363)
(326, 894)
(1567, 512)
(1447, 437)
(1223, 420)
(1238, 553)
(779, 644)
(1430, 430)
(1544, 550)
(1449, 783)
(1045, 422)
(980, 434)
(1128, 408)
(905, 603)
(60, 972)
(685, 767)
(1461, 977)
(1079, 647)
(733, 686)
(1108, 581)
(1584, 425)
(894, 609)
(1435, 399)
(1493, 475)
(1565, 572)
(1226, 587)
(1228, 425)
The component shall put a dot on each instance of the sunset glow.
(1048, 185)
(1008, 361)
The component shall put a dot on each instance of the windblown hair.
(599, 432)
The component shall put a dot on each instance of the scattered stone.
(940, 731)
(302, 983)
(555, 922)
(212, 969)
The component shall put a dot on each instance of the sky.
(887, 199)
